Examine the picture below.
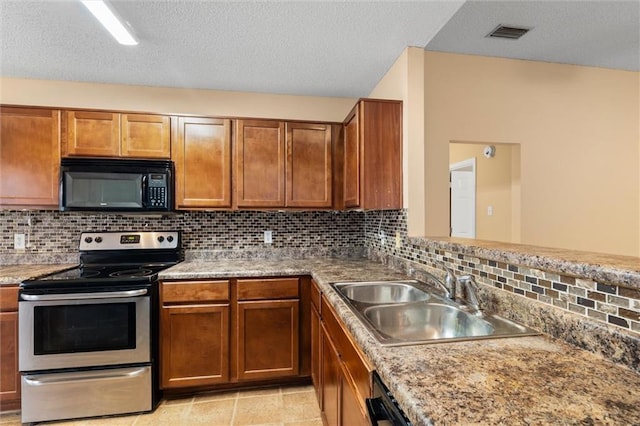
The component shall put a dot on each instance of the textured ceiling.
(593, 33)
(303, 48)
(324, 48)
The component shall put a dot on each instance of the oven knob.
(170, 238)
(88, 240)
(160, 239)
(98, 240)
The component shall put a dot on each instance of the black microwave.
(116, 185)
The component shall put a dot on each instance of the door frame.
(464, 165)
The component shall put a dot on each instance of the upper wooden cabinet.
(373, 155)
(108, 134)
(201, 152)
(309, 165)
(281, 164)
(259, 163)
(145, 136)
(29, 157)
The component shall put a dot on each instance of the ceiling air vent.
(503, 31)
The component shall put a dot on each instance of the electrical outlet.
(268, 237)
(398, 240)
(19, 242)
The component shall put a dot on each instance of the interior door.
(463, 204)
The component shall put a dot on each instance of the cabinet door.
(194, 345)
(29, 157)
(352, 160)
(331, 381)
(381, 154)
(93, 133)
(350, 409)
(268, 339)
(316, 354)
(260, 160)
(309, 177)
(9, 375)
(145, 136)
(202, 156)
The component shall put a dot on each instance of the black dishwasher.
(383, 408)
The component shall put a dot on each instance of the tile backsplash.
(604, 302)
(295, 234)
(603, 317)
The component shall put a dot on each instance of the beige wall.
(579, 134)
(495, 187)
(172, 100)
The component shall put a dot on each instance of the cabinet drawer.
(194, 291)
(315, 296)
(8, 299)
(276, 288)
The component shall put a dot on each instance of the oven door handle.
(82, 377)
(84, 296)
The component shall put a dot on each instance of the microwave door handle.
(83, 296)
(144, 191)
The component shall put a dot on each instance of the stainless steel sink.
(425, 321)
(382, 292)
(409, 312)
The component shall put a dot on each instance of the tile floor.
(279, 406)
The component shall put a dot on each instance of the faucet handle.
(468, 279)
(469, 291)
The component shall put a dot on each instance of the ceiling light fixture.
(111, 21)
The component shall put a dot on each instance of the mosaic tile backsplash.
(226, 234)
(600, 316)
(603, 302)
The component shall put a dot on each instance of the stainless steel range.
(88, 335)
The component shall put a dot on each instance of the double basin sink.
(407, 312)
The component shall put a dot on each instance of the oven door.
(84, 329)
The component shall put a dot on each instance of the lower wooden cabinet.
(345, 374)
(9, 375)
(268, 328)
(195, 350)
(267, 339)
(220, 332)
(316, 344)
(194, 333)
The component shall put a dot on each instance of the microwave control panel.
(157, 190)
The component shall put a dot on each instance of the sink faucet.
(463, 288)
(469, 291)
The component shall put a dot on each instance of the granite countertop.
(15, 274)
(524, 380)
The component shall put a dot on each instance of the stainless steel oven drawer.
(57, 396)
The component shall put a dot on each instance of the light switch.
(490, 211)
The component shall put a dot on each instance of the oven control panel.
(91, 241)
